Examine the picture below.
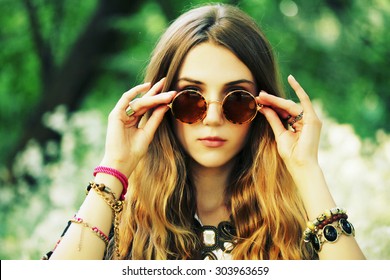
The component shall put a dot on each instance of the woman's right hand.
(126, 141)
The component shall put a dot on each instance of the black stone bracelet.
(330, 233)
(327, 227)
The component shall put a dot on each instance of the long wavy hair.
(158, 216)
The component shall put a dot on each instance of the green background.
(64, 65)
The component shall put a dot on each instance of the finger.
(154, 121)
(297, 126)
(141, 105)
(284, 107)
(129, 95)
(133, 109)
(274, 120)
(311, 123)
(284, 115)
(303, 97)
(156, 88)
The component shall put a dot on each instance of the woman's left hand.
(298, 143)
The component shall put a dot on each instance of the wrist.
(307, 165)
(115, 176)
(114, 184)
(313, 188)
(122, 166)
(307, 177)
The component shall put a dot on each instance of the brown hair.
(266, 208)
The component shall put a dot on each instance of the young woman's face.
(214, 71)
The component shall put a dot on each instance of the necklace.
(215, 238)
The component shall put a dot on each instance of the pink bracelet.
(117, 174)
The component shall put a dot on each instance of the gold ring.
(130, 111)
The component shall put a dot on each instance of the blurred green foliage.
(337, 49)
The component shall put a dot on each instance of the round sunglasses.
(238, 106)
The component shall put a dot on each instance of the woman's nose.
(214, 114)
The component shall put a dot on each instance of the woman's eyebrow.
(240, 81)
(190, 81)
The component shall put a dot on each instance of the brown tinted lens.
(239, 107)
(189, 106)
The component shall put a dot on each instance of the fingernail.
(291, 77)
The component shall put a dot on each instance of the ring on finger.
(297, 118)
(130, 111)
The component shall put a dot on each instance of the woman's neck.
(210, 184)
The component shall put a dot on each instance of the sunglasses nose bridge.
(217, 102)
(213, 113)
(214, 101)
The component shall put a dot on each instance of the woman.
(217, 163)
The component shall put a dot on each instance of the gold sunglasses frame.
(258, 106)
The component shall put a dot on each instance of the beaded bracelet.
(95, 230)
(117, 174)
(327, 227)
(329, 216)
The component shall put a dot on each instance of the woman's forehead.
(209, 62)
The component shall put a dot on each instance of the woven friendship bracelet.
(117, 174)
(95, 230)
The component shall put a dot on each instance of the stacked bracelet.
(115, 204)
(327, 227)
(117, 174)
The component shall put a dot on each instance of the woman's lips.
(212, 142)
